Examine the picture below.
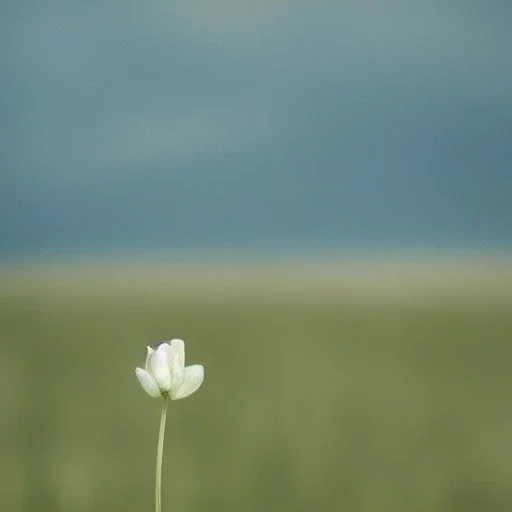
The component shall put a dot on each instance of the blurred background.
(315, 196)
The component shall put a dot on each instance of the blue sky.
(143, 126)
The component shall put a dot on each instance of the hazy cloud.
(192, 134)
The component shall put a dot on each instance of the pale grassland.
(361, 276)
(355, 385)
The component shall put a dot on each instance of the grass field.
(383, 388)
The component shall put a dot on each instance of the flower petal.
(177, 359)
(147, 365)
(147, 382)
(160, 369)
(177, 379)
(193, 377)
(171, 359)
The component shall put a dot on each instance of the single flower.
(165, 373)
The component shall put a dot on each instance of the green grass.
(311, 401)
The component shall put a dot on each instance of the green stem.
(159, 455)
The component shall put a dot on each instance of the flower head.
(165, 373)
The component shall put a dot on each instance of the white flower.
(165, 373)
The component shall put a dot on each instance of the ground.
(329, 386)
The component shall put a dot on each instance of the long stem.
(159, 454)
